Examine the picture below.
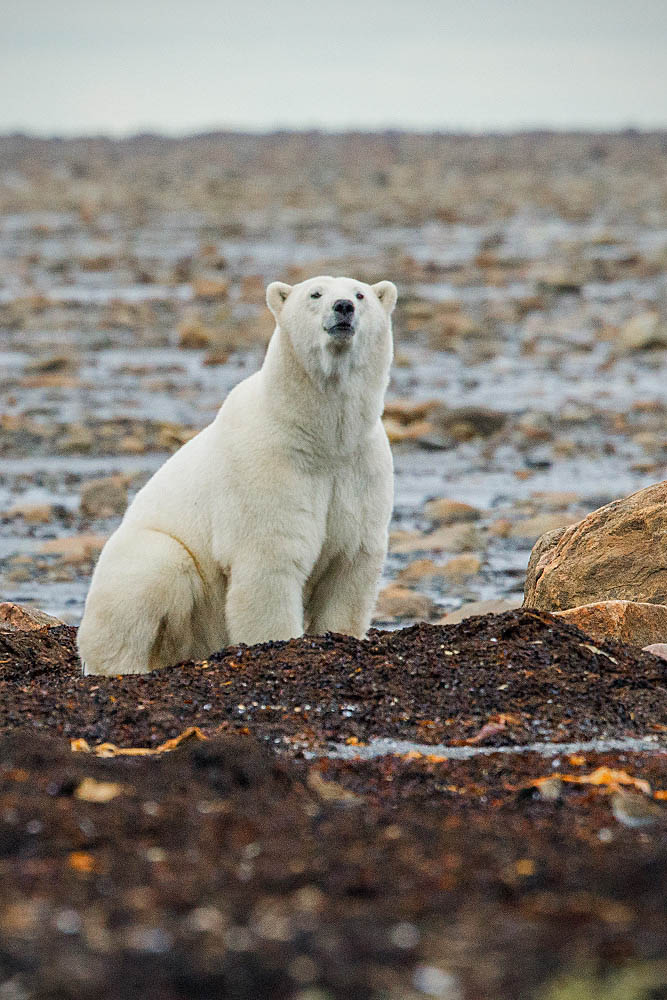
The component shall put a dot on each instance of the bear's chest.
(347, 514)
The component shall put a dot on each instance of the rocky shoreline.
(465, 809)
(530, 332)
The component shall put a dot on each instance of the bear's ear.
(387, 293)
(276, 295)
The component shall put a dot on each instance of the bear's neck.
(325, 415)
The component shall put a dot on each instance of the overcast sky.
(121, 66)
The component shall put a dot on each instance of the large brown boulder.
(619, 552)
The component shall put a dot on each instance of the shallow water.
(383, 747)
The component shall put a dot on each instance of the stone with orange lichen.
(14, 616)
(625, 621)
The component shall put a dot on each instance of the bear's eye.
(316, 295)
(360, 295)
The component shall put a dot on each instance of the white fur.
(273, 520)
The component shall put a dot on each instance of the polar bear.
(274, 519)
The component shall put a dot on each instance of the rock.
(15, 616)
(405, 542)
(194, 334)
(565, 448)
(652, 443)
(501, 528)
(417, 311)
(456, 538)
(453, 538)
(74, 549)
(19, 575)
(558, 500)
(657, 649)
(534, 427)
(534, 527)
(104, 497)
(561, 279)
(253, 289)
(129, 316)
(626, 621)
(132, 444)
(464, 423)
(461, 568)
(397, 432)
(101, 262)
(635, 810)
(216, 356)
(401, 602)
(210, 289)
(78, 439)
(576, 414)
(618, 552)
(446, 511)
(421, 570)
(478, 608)
(52, 363)
(543, 545)
(39, 513)
(50, 381)
(407, 411)
(171, 436)
(647, 330)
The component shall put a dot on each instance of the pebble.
(451, 538)
(74, 549)
(401, 602)
(657, 649)
(462, 568)
(104, 497)
(420, 570)
(646, 330)
(41, 513)
(533, 527)
(446, 512)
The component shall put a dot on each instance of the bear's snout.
(342, 325)
(343, 308)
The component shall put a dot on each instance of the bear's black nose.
(343, 307)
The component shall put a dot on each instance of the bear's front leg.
(344, 599)
(264, 602)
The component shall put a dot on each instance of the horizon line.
(375, 130)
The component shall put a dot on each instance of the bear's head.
(335, 322)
